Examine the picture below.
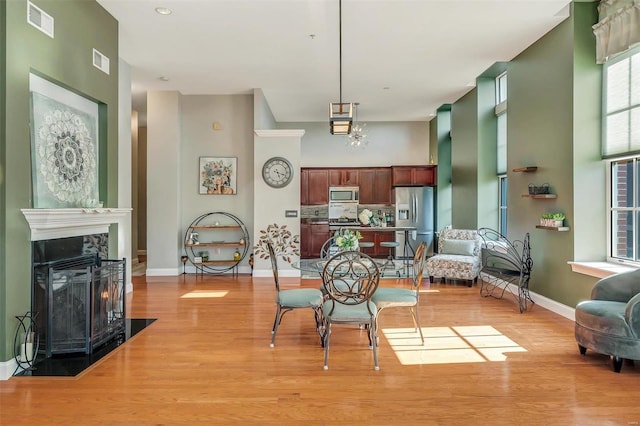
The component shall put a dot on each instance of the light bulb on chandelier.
(357, 138)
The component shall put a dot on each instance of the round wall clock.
(277, 172)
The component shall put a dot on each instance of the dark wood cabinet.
(344, 177)
(312, 237)
(375, 186)
(315, 190)
(304, 187)
(376, 237)
(414, 175)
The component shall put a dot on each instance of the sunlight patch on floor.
(450, 345)
(204, 294)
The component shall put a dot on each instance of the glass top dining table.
(315, 266)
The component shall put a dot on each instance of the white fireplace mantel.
(47, 224)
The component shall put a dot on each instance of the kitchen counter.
(376, 228)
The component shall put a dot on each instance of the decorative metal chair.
(350, 279)
(393, 297)
(505, 263)
(288, 300)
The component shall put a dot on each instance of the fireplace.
(78, 293)
(78, 296)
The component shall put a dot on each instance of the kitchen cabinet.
(312, 237)
(314, 187)
(414, 175)
(375, 186)
(376, 237)
(304, 187)
(343, 177)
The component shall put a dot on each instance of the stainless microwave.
(344, 194)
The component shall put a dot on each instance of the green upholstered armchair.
(609, 323)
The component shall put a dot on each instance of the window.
(502, 217)
(621, 137)
(621, 105)
(501, 140)
(625, 211)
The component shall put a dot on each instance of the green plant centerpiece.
(348, 239)
(285, 244)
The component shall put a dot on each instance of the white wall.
(271, 203)
(164, 232)
(234, 139)
(390, 143)
(124, 163)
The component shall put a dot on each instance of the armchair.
(609, 323)
(458, 256)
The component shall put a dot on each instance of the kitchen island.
(379, 234)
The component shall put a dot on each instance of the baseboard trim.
(163, 272)
(543, 301)
(265, 273)
(7, 368)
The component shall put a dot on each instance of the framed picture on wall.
(218, 175)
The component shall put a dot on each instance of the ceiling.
(401, 59)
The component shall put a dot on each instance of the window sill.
(599, 269)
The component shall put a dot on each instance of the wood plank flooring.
(207, 360)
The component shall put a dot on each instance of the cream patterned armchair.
(458, 256)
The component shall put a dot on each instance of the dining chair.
(350, 279)
(393, 297)
(288, 300)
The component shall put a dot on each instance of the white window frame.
(635, 209)
(501, 207)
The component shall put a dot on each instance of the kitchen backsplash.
(322, 211)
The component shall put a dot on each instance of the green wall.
(3, 161)
(547, 128)
(464, 162)
(443, 131)
(553, 122)
(80, 26)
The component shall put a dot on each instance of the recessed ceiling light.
(163, 78)
(163, 10)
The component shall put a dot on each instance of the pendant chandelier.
(357, 138)
(340, 113)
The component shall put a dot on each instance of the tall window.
(621, 137)
(501, 138)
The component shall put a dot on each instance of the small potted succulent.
(554, 220)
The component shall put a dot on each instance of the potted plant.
(558, 219)
(285, 244)
(554, 220)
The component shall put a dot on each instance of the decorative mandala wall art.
(64, 138)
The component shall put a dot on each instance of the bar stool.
(366, 244)
(390, 245)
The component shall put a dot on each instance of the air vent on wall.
(100, 61)
(39, 19)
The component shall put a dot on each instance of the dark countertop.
(377, 228)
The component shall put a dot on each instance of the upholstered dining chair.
(288, 300)
(350, 279)
(394, 297)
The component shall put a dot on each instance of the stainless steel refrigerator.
(414, 207)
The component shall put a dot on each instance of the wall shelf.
(528, 169)
(554, 228)
(540, 196)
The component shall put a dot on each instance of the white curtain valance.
(618, 27)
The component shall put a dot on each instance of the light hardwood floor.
(207, 360)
